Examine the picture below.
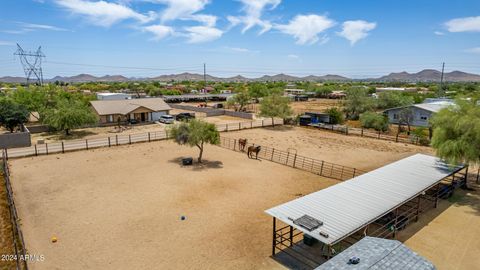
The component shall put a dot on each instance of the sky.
(143, 38)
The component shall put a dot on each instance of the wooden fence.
(18, 242)
(319, 167)
(369, 134)
(115, 140)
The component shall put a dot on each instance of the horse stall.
(310, 230)
(312, 118)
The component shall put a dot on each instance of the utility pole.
(205, 74)
(31, 63)
(440, 92)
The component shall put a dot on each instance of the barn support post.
(465, 184)
(418, 208)
(436, 195)
(36, 152)
(291, 236)
(329, 252)
(63, 148)
(274, 236)
(395, 224)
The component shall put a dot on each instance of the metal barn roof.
(378, 253)
(348, 206)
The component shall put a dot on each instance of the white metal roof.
(435, 106)
(348, 206)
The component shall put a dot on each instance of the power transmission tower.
(441, 92)
(32, 63)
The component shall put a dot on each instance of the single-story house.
(141, 110)
(377, 253)
(420, 113)
(113, 96)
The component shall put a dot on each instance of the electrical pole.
(31, 63)
(205, 75)
(440, 92)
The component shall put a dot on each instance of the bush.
(374, 120)
(336, 116)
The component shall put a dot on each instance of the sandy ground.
(101, 132)
(362, 153)
(449, 236)
(120, 208)
(315, 105)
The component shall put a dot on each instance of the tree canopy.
(374, 120)
(69, 114)
(357, 102)
(388, 100)
(336, 116)
(195, 133)
(12, 114)
(456, 132)
(275, 106)
(240, 99)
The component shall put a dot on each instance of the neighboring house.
(141, 110)
(112, 96)
(378, 253)
(395, 89)
(294, 91)
(420, 113)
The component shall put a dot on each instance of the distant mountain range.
(427, 75)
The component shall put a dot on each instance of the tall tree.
(69, 114)
(195, 133)
(257, 91)
(275, 106)
(12, 114)
(393, 99)
(456, 132)
(374, 120)
(357, 102)
(240, 99)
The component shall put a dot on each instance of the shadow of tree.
(206, 164)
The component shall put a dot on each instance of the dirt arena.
(121, 208)
(362, 153)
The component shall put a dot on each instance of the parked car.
(132, 121)
(184, 116)
(166, 119)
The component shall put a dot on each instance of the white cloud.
(181, 9)
(240, 50)
(41, 27)
(103, 13)
(439, 33)
(207, 20)
(467, 24)
(306, 28)
(159, 31)
(474, 50)
(6, 43)
(253, 10)
(356, 30)
(293, 56)
(199, 34)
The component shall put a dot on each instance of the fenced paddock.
(292, 159)
(119, 139)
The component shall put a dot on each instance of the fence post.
(129, 139)
(239, 125)
(148, 136)
(234, 144)
(379, 134)
(361, 135)
(273, 150)
(116, 139)
(478, 175)
(46, 148)
(341, 175)
(226, 127)
(86, 143)
(321, 168)
(109, 144)
(6, 155)
(263, 121)
(346, 130)
(288, 155)
(251, 124)
(354, 171)
(294, 160)
(63, 148)
(396, 138)
(36, 153)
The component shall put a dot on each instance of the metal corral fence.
(18, 242)
(369, 134)
(291, 159)
(115, 140)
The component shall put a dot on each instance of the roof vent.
(354, 260)
(308, 222)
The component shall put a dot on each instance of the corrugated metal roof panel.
(348, 206)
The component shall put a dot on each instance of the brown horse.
(253, 149)
(241, 144)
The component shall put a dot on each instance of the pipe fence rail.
(121, 139)
(319, 167)
(20, 255)
(369, 134)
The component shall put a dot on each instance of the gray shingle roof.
(378, 254)
(125, 106)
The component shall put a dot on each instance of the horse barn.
(310, 230)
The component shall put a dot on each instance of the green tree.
(195, 133)
(336, 116)
(240, 99)
(275, 106)
(357, 102)
(35, 98)
(388, 100)
(69, 114)
(257, 90)
(12, 114)
(456, 132)
(374, 120)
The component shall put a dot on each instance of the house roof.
(431, 106)
(125, 106)
(349, 206)
(378, 253)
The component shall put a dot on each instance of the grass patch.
(456, 197)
